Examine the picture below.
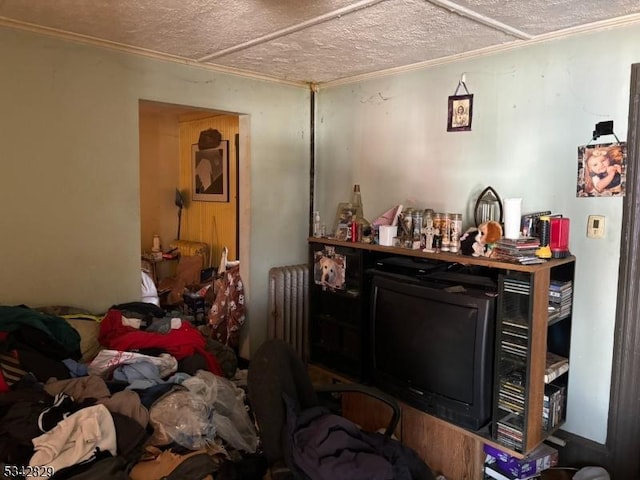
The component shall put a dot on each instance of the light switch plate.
(595, 226)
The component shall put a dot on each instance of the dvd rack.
(512, 361)
(533, 332)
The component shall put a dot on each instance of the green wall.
(533, 106)
(69, 187)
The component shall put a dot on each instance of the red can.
(355, 237)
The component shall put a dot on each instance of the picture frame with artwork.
(602, 170)
(460, 113)
(210, 173)
(345, 214)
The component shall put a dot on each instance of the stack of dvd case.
(521, 250)
(560, 298)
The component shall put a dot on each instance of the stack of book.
(560, 298)
(521, 250)
(555, 366)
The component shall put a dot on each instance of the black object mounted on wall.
(179, 201)
(604, 128)
(209, 138)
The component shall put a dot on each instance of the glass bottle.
(363, 225)
(356, 199)
(416, 221)
(428, 229)
(405, 230)
(437, 231)
(456, 229)
(446, 232)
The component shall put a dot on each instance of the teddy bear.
(479, 242)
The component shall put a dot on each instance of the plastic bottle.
(155, 245)
(317, 225)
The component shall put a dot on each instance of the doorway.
(168, 134)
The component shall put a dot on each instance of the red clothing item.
(181, 343)
(3, 384)
(228, 311)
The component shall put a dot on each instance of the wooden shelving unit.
(524, 288)
(524, 335)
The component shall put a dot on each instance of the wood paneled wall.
(211, 222)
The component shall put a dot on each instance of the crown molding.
(95, 42)
(560, 34)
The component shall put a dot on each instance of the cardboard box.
(541, 458)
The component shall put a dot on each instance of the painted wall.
(159, 170)
(70, 182)
(532, 108)
(211, 222)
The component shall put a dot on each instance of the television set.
(432, 346)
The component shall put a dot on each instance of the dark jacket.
(324, 446)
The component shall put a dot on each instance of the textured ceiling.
(314, 41)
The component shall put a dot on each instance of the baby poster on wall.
(602, 170)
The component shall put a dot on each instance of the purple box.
(538, 460)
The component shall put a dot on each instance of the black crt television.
(432, 346)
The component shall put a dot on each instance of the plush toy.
(480, 241)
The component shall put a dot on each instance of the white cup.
(512, 218)
(386, 235)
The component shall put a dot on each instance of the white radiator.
(289, 306)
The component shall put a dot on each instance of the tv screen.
(433, 347)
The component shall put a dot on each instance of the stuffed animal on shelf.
(479, 242)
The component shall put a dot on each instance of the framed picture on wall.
(210, 182)
(602, 170)
(460, 113)
(345, 214)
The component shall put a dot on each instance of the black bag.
(196, 467)
(209, 138)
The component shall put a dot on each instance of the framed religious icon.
(210, 174)
(460, 113)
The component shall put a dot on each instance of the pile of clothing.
(157, 396)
